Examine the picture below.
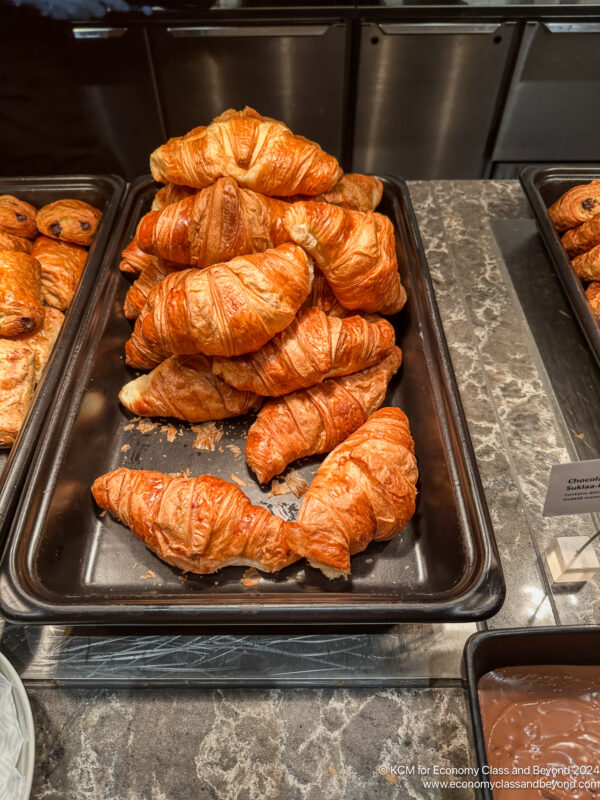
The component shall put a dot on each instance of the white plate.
(25, 719)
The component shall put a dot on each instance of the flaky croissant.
(227, 309)
(364, 491)
(593, 297)
(21, 309)
(69, 220)
(354, 191)
(214, 225)
(17, 380)
(138, 292)
(317, 419)
(582, 238)
(197, 524)
(42, 341)
(355, 251)
(17, 217)
(587, 265)
(171, 193)
(185, 387)
(8, 241)
(575, 206)
(134, 260)
(259, 152)
(314, 347)
(62, 264)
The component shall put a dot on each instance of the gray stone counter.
(393, 698)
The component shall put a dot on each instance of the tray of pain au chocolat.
(53, 233)
(261, 423)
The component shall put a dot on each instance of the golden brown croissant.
(575, 206)
(185, 387)
(580, 239)
(8, 241)
(138, 292)
(355, 251)
(317, 419)
(171, 193)
(364, 491)
(17, 217)
(259, 152)
(321, 296)
(134, 260)
(17, 377)
(42, 341)
(62, 264)
(587, 266)
(227, 309)
(197, 524)
(593, 295)
(354, 191)
(21, 309)
(314, 347)
(69, 220)
(214, 225)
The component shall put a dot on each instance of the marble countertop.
(373, 699)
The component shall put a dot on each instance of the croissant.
(355, 251)
(354, 191)
(364, 491)
(8, 241)
(62, 264)
(184, 387)
(17, 376)
(171, 193)
(69, 220)
(21, 309)
(42, 341)
(577, 205)
(259, 152)
(587, 266)
(317, 419)
(134, 260)
(314, 347)
(227, 309)
(214, 225)
(197, 524)
(321, 296)
(580, 239)
(593, 295)
(138, 292)
(17, 217)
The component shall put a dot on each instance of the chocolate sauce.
(542, 727)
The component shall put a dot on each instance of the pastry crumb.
(251, 577)
(118, 553)
(145, 426)
(125, 447)
(147, 575)
(237, 480)
(389, 778)
(369, 561)
(207, 436)
(135, 565)
(234, 449)
(136, 419)
(103, 513)
(216, 583)
(221, 450)
(129, 427)
(293, 483)
(579, 435)
(332, 770)
(171, 433)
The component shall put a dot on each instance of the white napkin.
(11, 742)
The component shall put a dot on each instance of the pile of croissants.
(262, 272)
(42, 255)
(577, 213)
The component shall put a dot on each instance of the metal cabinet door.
(291, 72)
(112, 68)
(553, 108)
(427, 96)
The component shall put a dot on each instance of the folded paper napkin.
(11, 742)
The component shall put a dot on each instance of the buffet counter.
(274, 714)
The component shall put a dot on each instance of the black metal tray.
(104, 192)
(68, 563)
(520, 647)
(543, 187)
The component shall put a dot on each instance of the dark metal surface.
(294, 72)
(520, 647)
(542, 188)
(105, 193)
(67, 563)
(427, 96)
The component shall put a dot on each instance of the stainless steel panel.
(552, 111)
(293, 72)
(427, 97)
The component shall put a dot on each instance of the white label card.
(573, 488)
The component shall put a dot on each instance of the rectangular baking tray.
(543, 187)
(520, 647)
(68, 563)
(103, 192)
